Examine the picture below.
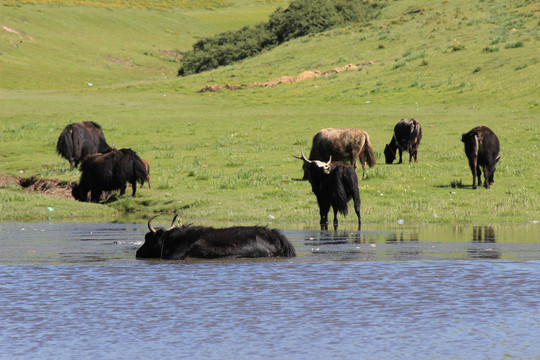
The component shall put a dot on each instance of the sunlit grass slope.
(452, 65)
(67, 47)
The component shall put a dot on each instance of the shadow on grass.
(455, 184)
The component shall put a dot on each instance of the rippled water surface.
(73, 291)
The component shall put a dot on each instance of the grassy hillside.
(226, 155)
(66, 47)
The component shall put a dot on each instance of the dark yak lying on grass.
(482, 149)
(342, 145)
(177, 243)
(109, 171)
(334, 184)
(406, 137)
(79, 140)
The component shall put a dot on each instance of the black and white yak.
(334, 184)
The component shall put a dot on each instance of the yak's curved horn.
(303, 157)
(329, 160)
(150, 227)
(173, 223)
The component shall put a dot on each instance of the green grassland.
(226, 155)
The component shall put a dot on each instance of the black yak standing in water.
(482, 149)
(79, 140)
(407, 136)
(334, 184)
(177, 243)
(109, 171)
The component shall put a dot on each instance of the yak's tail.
(417, 131)
(369, 153)
(140, 169)
(64, 146)
(340, 193)
(287, 249)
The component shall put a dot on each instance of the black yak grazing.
(482, 149)
(334, 184)
(406, 137)
(342, 145)
(79, 140)
(109, 171)
(177, 243)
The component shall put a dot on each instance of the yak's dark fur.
(482, 149)
(342, 145)
(177, 243)
(407, 136)
(79, 140)
(109, 171)
(334, 184)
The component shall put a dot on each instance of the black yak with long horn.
(79, 140)
(334, 184)
(177, 243)
(109, 171)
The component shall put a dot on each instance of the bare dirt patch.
(286, 79)
(171, 53)
(126, 63)
(51, 187)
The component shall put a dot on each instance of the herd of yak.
(330, 169)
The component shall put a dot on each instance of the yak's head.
(313, 168)
(154, 240)
(78, 194)
(389, 154)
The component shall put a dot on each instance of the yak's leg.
(400, 155)
(479, 174)
(134, 186)
(362, 159)
(357, 210)
(363, 170)
(72, 164)
(354, 156)
(324, 209)
(472, 165)
(487, 176)
(123, 190)
(335, 218)
(95, 195)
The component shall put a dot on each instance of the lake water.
(76, 291)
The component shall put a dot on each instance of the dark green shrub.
(514, 45)
(301, 18)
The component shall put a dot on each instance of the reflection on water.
(484, 244)
(416, 292)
